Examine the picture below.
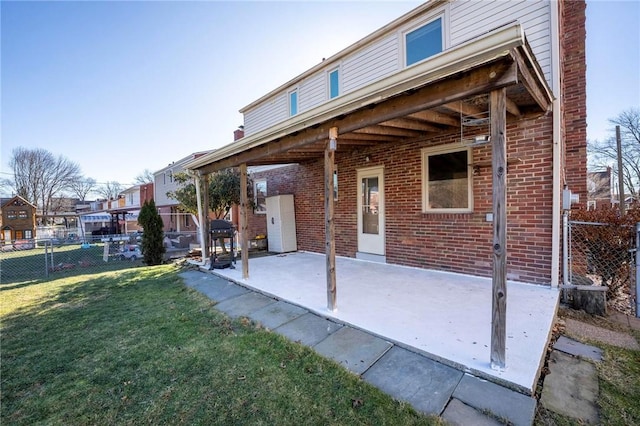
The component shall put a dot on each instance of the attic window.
(423, 42)
(293, 103)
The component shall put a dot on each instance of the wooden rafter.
(411, 124)
(387, 131)
(436, 117)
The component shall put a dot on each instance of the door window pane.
(370, 206)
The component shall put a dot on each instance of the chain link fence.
(603, 254)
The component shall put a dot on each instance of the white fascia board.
(493, 45)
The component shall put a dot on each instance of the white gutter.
(493, 45)
(555, 86)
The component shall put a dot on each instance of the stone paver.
(460, 414)
(212, 286)
(308, 329)
(515, 407)
(571, 388)
(572, 347)
(276, 314)
(244, 305)
(592, 332)
(424, 383)
(354, 349)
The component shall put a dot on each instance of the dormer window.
(293, 103)
(334, 83)
(423, 42)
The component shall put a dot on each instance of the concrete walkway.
(428, 385)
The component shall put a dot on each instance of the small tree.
(152, 247)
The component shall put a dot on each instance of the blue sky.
(119, 87)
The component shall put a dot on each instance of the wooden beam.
(530, 82)
(512, 108)
(330, 229)
(387, 131)
(499, 279)
(465, 85)
(244, 226)
(466, 109)
(436, 117)
(408, 123)
(367, 138)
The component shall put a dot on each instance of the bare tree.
(82, 187)
(603, 154)
(39, 177)
(145, 177)
(109, 190)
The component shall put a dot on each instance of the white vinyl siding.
(469, 19)
(371, 64)
(266, 114)
(311, 92)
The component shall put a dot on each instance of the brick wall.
(453, 242)
(574, 106)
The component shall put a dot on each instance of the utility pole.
(620, 172)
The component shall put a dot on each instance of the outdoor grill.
(219, 231)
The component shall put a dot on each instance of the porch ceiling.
(453, 102)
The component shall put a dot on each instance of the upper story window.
(334, 83)
(22, 214)
(423, 42)
(447, 184)
(11, 214)
(293, 103)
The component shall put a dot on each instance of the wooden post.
(201, 217)
(330, 231)
(244, 238)
(205, 220)
(499, 168)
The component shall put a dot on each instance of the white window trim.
(442, 12)
(328, 80)
(289, 93)
(445, 149)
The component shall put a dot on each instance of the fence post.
(46, 259)
(637, 270)
(565, 248)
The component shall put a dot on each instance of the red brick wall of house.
(574, 102)
(452, 242)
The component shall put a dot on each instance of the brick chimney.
(238, 133)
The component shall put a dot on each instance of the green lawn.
(136, 346)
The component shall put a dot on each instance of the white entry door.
(371, 210)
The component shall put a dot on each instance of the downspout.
(555, 87)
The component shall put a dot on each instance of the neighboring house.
(119, 216)
(174, 220)
(418, 124)
(599, 190)
(18, 219)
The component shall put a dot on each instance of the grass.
(618, 379)
(136, 346)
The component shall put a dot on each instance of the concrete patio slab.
(276, 314)
(571, 388)
(244, 305)
(458, 413)
(572, 347)
(217, 289)
(424, 383)
(354, 349)
(515, 407)
(445, 316)
(308, 329)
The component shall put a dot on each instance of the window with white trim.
(260, 196)
(334, 83)
(423, 42)
(447, 185)
(293, 103)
